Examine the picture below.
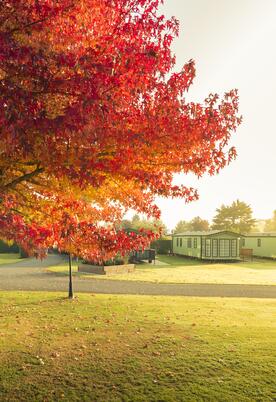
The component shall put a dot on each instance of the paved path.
(157, 262)
(30, 275)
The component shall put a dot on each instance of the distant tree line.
(236, 217)
(136, 223)
(195, 225)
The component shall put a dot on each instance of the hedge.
(5, 248)
(162, 246)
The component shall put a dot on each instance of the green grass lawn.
(184, 270)
(177, 260)
(62, 268)
(136, 348)
(10, 258)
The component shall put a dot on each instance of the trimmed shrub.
(119, 260)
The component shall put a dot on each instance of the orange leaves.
(89, 103)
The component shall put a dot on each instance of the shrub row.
(5, 248)
(162, 246)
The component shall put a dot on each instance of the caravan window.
(233, 248)
(215, 247)
(208, 248)
(224, 248)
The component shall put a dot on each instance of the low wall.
(106, 270)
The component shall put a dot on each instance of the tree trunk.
(70, 292)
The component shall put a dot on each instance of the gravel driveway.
(30, 274)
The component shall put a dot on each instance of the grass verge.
(136, 348)
(9, 258)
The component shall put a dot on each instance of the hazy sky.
(233, 43)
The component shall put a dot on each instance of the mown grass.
(9, 258)
(256, 263)
(185, 270)
(136, 348)
(177, 260)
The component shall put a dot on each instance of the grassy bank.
(136, 348)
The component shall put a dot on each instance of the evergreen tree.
(236, 217)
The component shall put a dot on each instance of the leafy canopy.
(270, 224)
(94, 122)
(236, 217)
(137, 223)
(197, 224)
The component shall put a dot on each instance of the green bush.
(119, 260)
(5, 248)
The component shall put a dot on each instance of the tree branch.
(39, 21)
(25, 177)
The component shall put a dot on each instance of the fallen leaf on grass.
(40, 360)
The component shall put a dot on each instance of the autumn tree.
(95, 122)
(198, 224)
(260, 225)
(182, 226)
(137, 223)
(270, 224)
(236, 217)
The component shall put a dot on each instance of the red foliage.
(94, 122)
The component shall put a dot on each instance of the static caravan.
(211, 245)
(262, 244)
